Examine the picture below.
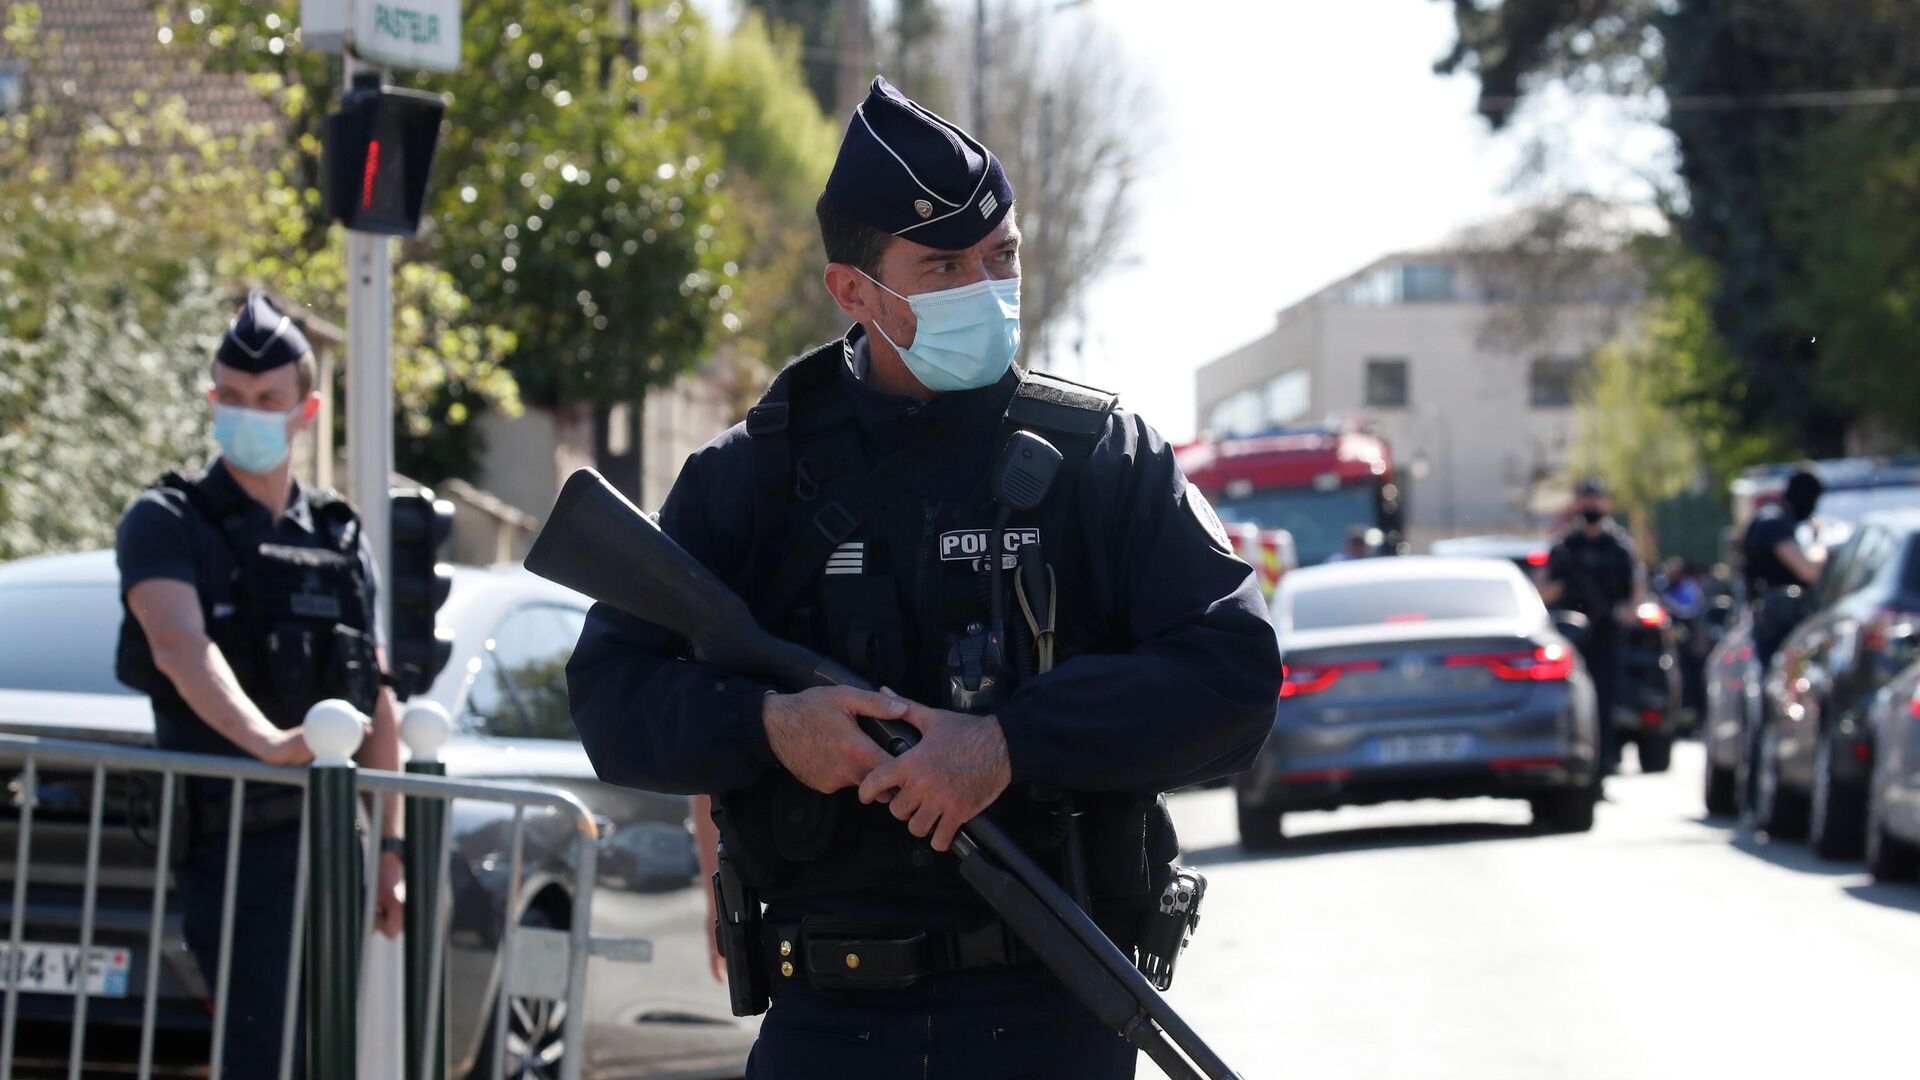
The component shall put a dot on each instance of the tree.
(1624, 432)
(1773, 153)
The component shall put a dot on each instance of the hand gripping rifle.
(599, 544)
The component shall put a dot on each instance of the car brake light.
(1877, 632)
(1548, 663)
(1913, 706)
(1536, 558)
(1651, 615)
(1313, 678)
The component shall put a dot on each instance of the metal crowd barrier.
(332, 911)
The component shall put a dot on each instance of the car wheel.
(1779, 813)
(1834, 812)
(1570, 810)
(1656, 752)
(1889, 858)
(535, 1044)
(1259, 828)
(1721, 800)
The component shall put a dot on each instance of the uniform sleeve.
(1188, 695)
(155, 541)
(648, 714)
(371, 570)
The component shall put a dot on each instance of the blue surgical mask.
(964, 338)
(251, 440)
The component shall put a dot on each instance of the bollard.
(425, 729)
(333, 733)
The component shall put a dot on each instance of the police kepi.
(1070, 638)
(249, 599)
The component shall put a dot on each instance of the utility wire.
(1798, 99)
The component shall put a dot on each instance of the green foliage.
(609, 194)
(1626, 434)
(1803, 213)
(108, 312)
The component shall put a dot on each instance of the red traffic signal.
(377, 153)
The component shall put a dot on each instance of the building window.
(1386, 384)
(1427, 283)
(1552, 382)
(1237, 415)
(1404, 283)
(1289, 397)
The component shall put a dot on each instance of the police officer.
(1775, 561)
(249, 598)
(853, 511)
(1593, 570)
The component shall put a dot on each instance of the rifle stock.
(599, 544)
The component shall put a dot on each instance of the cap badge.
(923, 208)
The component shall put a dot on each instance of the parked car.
(1648, 714)
(1731, 711)
(1420, 678)
(1893, 793)
(505, 686)
(1815, 746)
(1529, 553)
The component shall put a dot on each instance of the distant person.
(1592, 570)
(1680, 589)
(1360, 542)
(1775, 561)
(250, 598)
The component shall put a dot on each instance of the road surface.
(1433, 941)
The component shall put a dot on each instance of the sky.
(1294, 142)
(1298, 140)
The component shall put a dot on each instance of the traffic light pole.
(370, 386)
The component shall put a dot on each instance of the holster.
(737, 935)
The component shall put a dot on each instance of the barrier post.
(425, 729)
(333, 733)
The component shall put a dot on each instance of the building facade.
(1463, 360)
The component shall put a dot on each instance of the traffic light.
(376, 152)
(418, 584)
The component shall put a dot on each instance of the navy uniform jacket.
(162, 536)
(1598, 573)
(1191, 698)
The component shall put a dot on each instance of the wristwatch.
(393, 845)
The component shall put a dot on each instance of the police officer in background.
(853, 510)
(1774, 562)
(1593, 570)
(248, 599)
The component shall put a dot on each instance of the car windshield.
(1318, 520)
(60, 638)
(1399, 600)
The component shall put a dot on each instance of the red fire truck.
(1315, 483)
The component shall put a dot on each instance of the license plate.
(1419, 749)
(40, 968)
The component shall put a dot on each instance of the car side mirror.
(1903, 641)
(1573, 626)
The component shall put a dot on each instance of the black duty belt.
(841, 954)
(258, 814)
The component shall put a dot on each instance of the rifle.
(599, 544)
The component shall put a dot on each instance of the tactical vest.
(302, 626)
(818, 494)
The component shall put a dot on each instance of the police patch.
(1210, 521)
(970, 545)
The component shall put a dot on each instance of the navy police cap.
(906, 171)
(261, 338)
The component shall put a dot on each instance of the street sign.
(398, 33)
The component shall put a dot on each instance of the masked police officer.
(855, 511)
(1774, 561)
(1593, 570)
(249, 599)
